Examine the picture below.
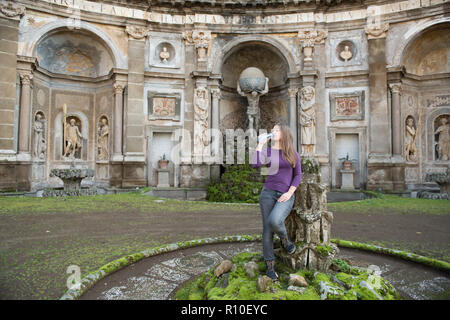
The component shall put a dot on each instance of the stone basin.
(441, 178)
(72, 177)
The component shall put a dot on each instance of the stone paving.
(157, 278)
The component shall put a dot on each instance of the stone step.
(179, 193)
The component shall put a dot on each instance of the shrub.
(237, 184)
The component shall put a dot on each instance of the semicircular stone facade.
(144, 91)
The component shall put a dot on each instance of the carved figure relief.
(201, 120)
(442, 138)
(39, 136)
(103, 138)
(410, 139)
(308, 120)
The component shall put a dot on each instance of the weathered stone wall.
(103, 60)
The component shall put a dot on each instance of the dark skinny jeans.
(273, 215)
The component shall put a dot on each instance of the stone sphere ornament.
(252, 79)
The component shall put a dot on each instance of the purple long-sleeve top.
(281, 176)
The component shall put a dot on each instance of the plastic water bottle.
(265, 136)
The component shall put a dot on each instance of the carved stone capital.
(136, 32)
(311, 37)
(201, 38)
(118, 88)
(292, 92)
(215, 93)
(25, 79)
(396, 88)
(11, 10)
(377, 31)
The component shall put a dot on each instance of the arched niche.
(83, 125)
(74, 53)
(273, 62)
(30, 39)
(429, 52)
(432, 123)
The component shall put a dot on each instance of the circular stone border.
(92, 278)
(438, 264)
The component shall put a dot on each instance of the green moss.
(324, 250)
(236, 285)
(438, 264)
(343, 265)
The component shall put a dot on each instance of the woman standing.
(277, 196)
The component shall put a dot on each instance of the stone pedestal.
(163, 178)
(347, 180)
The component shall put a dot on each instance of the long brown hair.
(286, 146)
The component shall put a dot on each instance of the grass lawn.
(392, 204)
(41, 237)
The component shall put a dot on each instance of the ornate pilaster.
(201, 125)
(308, 39)
(201, 39)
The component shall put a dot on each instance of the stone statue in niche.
(103, 135)
(442, 135)
(346, 54)
(201, 120)
(308, 120)
(73, 139)
(164, 55)
(39, 137)
(410, 140)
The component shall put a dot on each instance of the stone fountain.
(72, 178)
(443, 180)
(309, 223)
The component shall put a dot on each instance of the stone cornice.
(299, 16)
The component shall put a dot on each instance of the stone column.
(118, 118)
(293, 113)
(379, 137)
(396, 121)
(215, 168)
(24, 119)
(215, 117)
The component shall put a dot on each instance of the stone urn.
(252, 79)
(163, 162)
(346, 163)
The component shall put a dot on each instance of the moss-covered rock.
(237, 285)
